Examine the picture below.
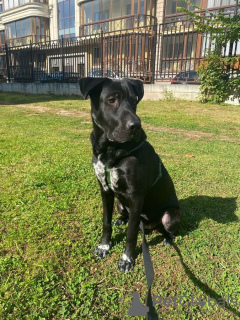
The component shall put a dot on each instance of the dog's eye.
(112, 100)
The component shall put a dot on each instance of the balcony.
(27, 40)
(30, 9)
(133, 23)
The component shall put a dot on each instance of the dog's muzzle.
(134, 128)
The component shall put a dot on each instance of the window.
(66, 18)
(126, 7)
(220, 3)
(28, 27)
(171, 5)
(97, 10)
(116, 8)
(9, 4)
(105, 9)
(2, 37)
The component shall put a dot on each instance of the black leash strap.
(152, 313)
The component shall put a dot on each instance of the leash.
(152, 313)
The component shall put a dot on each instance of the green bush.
(215, 84)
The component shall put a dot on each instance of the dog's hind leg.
(170, 221)
(124, 216)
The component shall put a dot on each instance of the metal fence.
(151, 53)
(180, 48)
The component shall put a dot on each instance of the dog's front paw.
(102, 250)
(125, 263)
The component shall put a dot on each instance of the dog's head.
(113, 106)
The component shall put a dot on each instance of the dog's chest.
(107, 177)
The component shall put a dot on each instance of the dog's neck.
(109, 152)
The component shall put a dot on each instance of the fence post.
(31, 61)
(154, 49)
(102, 51)
(63, 67)
(7, 62)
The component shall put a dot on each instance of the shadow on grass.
(21, 98)
(203, 286)
(197, 208)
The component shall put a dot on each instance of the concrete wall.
(164, 90)
(158, 91)
(42, 88)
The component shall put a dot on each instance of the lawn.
(51, 212)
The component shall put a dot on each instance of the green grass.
(50, 212)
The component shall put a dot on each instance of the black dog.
(127, 166)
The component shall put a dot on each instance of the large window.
(33, 29)
(99, 10)
(66, 18)
(219, 3)
(9, 4)
(2, 37)
(171, 6)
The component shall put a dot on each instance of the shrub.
(215, 84)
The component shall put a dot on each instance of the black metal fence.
(151, 53)
(180, 48)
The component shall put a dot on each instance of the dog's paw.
(102, 250)
(119, 222)
(168, 241)
(125, 263)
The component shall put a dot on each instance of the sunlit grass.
(51, 212)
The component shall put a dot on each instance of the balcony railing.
(117, 24)
(23, 41)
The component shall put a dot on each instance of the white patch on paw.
(126, 258)
(104, 247)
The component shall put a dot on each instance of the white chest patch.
(114, 178)
(99, 169)
(101, 174)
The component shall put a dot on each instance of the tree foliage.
(220, 75)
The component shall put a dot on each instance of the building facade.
(22, 21)
(126, 33)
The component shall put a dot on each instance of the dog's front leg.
(108, 201)
(127, 261)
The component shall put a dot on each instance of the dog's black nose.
(134, 125)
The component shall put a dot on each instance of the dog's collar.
(159, 172)
(108, 178)
(134, 149)
(107, 170)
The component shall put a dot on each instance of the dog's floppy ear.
(88, 84)
(138, 88)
